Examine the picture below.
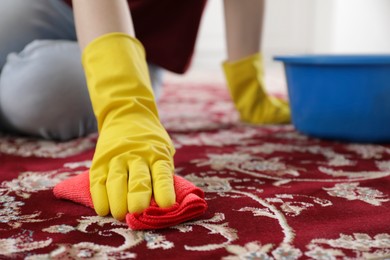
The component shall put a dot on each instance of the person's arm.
(244, 27)
(95, 18)
(244, 66)
(134, 154)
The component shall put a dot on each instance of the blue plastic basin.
(340, 97)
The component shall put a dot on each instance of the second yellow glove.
(133, 159)
(246, 85)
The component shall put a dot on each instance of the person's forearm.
(244, 24)
(95, 18)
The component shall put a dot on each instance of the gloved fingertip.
(100, 200)
(102, 212)
(164, 194)
(138, 202)
(165, 201)
(119, 214)
(163, 184)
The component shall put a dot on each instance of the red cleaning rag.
(189, 204)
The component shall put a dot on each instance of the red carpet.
(189, 204)
(271, 193)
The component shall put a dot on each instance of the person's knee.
(43, 92)
(23, 21)
(15, 16)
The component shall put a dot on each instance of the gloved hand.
(134, 153)
(246, 84)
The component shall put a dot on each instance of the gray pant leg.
(42, 89)
(43, 92)
(22, 21)
(156, 77)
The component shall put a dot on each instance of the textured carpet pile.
(272, 193)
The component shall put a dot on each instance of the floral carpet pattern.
(272, 193)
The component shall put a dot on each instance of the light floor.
(198, 73)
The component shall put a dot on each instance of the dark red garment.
(189, 204)
(167, 29)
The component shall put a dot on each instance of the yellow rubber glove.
(246, 85)
(134, 153)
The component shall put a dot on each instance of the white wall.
(287, 29)
(288, 26)
(304, 26)
(359, 26)
(210, 47)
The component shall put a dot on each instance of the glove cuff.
(99, 45)
(245, 66)
(117, 74)
(241, 72)
(245, 81)
(115, 55)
